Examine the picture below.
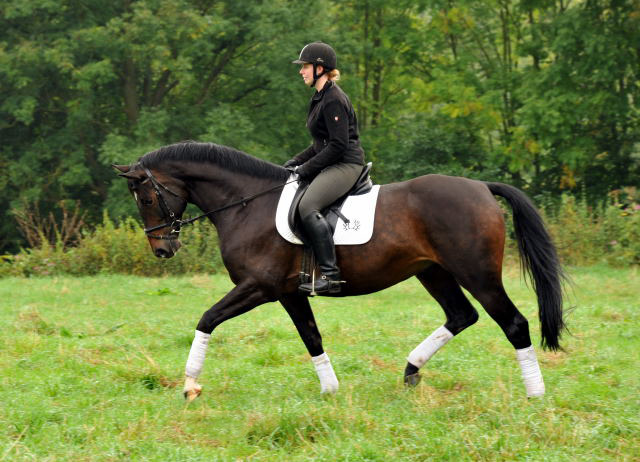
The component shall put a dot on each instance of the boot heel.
(335, 287)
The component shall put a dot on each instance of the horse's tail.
(539, 261)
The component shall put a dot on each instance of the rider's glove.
(303, 173)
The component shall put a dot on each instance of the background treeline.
(583, 237)
(541, 94)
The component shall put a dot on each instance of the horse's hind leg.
(300, 312)
(460, 315)
(491, 294)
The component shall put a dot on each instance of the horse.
(448, 232)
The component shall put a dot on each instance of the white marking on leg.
(531, 373)
(429, 346)
(324, 369)
(196, 354)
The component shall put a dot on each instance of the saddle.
(331, 213)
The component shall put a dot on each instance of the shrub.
(118, 248)
(38, 230)
(584, 235)
(587, 235)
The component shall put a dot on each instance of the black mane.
(223, 156)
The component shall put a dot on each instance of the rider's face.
(306, 71)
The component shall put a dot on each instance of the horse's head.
(161, 200)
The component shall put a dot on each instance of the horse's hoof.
(192, 389)
(412, 380)
(192, 394)
(331, 390)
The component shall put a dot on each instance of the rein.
(176, 224)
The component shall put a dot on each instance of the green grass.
(91, 370)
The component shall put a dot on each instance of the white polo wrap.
(423, 352)
(530, 371)
(196, 354)
(324, 369)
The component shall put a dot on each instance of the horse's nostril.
(162, 253)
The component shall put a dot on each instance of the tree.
(85, 84)
(539, 93)
(581, 101)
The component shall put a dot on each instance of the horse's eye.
(146, 201)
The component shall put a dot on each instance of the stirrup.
(323, 286)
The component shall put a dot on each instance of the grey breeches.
(330, 184)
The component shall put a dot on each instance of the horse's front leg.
(242, 298)
(300, 312)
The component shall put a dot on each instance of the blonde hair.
(333, 74)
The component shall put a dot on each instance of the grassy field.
(91, 370)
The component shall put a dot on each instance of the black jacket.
(334, 128)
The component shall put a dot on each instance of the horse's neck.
(220, 191)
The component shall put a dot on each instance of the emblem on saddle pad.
(354, 223)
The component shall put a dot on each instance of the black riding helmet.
(318, 54)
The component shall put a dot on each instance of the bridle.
(169, 215)
(176, 223)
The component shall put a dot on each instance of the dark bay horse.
(449, 232)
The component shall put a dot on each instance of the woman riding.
(332, 163)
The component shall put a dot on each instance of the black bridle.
(176, 223)
(169, 215)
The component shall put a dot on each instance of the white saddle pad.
(359, 210)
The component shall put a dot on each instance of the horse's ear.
(125, 171)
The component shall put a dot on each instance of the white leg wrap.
(530, 371)
(324, 369)
(197, 354)
(423, 352)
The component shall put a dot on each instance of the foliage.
(578, 110)
(117, 248)
(586, 235)
(86, 86)
(583, 234)
(38, 230)
(442, 146)
(542, 94)
(91, 369)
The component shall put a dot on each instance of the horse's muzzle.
(168, 250)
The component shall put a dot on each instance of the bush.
(118, 248)
(583, 235)
(586, 235)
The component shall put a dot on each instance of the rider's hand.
(290, 163)
(303, 173)
(292, 168)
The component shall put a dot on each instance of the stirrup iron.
(328, 286)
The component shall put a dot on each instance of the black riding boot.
(319, 232)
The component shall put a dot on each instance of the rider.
(332, 163)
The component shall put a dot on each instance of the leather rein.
(176, 223)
